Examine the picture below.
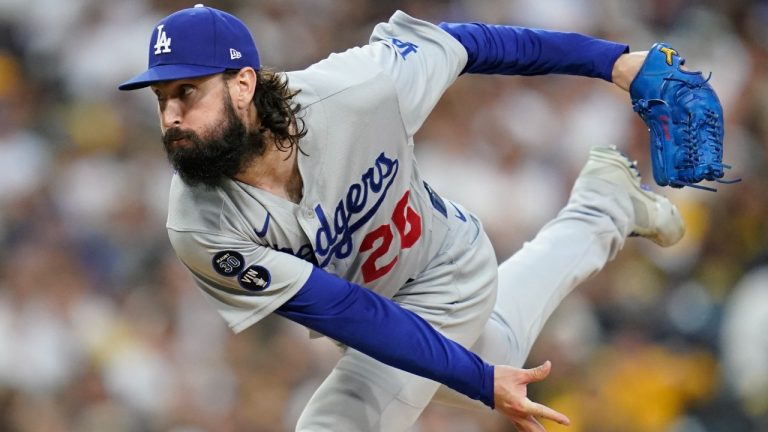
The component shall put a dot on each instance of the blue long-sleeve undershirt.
(378, 327)
(509, 50)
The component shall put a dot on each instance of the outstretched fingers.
(543, 411)
(510, 395)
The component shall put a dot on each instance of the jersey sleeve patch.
(243, 280)
(255, 278)
(228, 263)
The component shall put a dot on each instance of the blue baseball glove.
(684, 119)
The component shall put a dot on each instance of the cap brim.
(168, 73)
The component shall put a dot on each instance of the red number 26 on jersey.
(408, 226)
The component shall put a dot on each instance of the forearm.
(385, 331)
(509, 50)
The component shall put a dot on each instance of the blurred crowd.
(101, 329)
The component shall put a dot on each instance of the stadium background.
(102, 330)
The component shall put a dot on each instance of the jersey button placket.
(308, 223)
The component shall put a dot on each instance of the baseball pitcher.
(298, 194)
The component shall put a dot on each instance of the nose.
(170, 114)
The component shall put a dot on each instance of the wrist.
(626, 67)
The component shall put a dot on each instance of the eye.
(186, 90)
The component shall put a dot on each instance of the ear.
(242, 86)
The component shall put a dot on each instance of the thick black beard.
(226, 150)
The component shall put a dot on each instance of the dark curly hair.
(277, 111)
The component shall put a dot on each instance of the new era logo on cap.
(196, 42)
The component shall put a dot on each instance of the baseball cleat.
(656, 218)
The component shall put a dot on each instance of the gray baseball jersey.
(366, 214)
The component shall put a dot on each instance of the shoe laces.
(632, 163)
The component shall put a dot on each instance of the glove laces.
(694, 154)
(715, 146)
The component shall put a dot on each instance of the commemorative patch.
(254, 278)
(228, 263)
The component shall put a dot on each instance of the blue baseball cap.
(196, 42)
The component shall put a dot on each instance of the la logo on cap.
(163, 43)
